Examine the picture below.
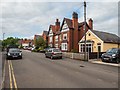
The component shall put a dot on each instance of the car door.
(50, 52)
(119, 54)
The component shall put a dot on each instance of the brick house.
(45, 37)
(67, 36)
(26, 42)
(53, 34)
(71, 32)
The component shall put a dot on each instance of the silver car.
(53, 53)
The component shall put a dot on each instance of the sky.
(24, 19)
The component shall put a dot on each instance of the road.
(36, 71)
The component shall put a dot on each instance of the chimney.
(75, 35)
(90, 23)
(57, 25)
(75, 20)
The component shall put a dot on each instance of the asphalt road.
(36, 71)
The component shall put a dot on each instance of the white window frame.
(50, 45)
(56, 45)
(82, 47)
(64, 46)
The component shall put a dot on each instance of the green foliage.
(40, 42)
(10, 41)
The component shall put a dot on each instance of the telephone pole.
(85, 56)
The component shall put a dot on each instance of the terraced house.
(67, 36)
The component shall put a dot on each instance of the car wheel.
(103, 60)
(117, 61)
(7, 58)
(60, 57)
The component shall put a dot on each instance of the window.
(50, 45)
(89, 34)
(56, 45)
(50, 38)
(56, 38)
(64, 46)
(89, 47)
(65, 36)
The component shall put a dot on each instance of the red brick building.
(69, 34)
(45, 37)
(53, 34)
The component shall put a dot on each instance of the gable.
(64, 27)
(50, 32)
(91, 36)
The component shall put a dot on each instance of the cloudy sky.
(24, 19)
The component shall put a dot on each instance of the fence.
(80, 56)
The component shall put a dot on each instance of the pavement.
(99, 61)
(0, 69)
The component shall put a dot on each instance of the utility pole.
(85, 57)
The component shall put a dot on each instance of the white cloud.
(24, 19)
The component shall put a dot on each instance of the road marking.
(10, 76)
(15, 84)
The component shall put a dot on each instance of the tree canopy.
(10, 41)
(39, 42)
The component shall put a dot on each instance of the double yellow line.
(13, 84)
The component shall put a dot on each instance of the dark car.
(112, 55)
(14, 53)
(53, 53)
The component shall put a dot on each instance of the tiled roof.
(107, 37)
(69, 22)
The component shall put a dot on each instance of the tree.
(10, 41)
(39, 42)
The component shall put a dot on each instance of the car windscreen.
(14, 50)
(112, 51)
(56, 50)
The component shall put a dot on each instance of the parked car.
(112, 55)
(53, 53)
(14, 53)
